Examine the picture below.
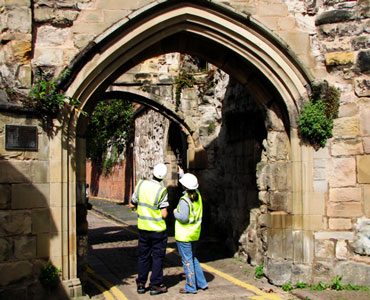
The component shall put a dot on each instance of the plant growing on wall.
(184, 80)
(49, 276)
(47, 99)
(110, 129)
(188, 80)
(315, 123)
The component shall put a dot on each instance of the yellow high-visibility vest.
(190, 232)
(149, 192)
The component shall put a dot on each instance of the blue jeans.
(193, 271)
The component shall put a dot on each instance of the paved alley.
(112, 268)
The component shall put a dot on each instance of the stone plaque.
(21, 138)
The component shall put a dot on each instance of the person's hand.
(175, 211)
(180, 170)
(133, 207)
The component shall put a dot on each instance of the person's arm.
(134, 201)
(183, 214)
(163, 204)
(164, 213)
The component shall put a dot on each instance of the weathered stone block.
(363, 61)
(15, 271)
(363, 170)
(354, 273)
(25, 247)
(280, 200)
(340, 224)
(24, 76)
(342, 172)
(49, 36)
(15, 223)
(272, 9)
(301, 273)
(362, 87)
(360, 42)
(365, 118)
(5, 249)
(22, 50)
(339, 58)
(324, 249)
(278, 272)
(346, 127)
(336, 235)
(341, 250)
(20, 20)
(334, 16)
(344, 209)
(277, 146)
(30, 196)
(48, 57)
(345, 194)
(347, 147)
(322, 271)
(40, 221)
(17, 3)
(348, 110)
(4, 196)
(367, 200)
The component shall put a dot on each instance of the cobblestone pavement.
(113, 266)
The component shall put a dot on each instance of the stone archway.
(243, 49)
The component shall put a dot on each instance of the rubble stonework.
(303, 213)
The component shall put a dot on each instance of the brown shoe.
(183, 291)
(158, 289)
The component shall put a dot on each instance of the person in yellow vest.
(150, 199)
(188, 220)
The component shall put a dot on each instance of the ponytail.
(193, 195)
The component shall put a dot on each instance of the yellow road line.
(107, 199)
(257, 291)
(260, 294)
(105, 293)
(115, 291)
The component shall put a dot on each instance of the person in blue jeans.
(188, 216)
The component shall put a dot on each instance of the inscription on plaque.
(21, 138)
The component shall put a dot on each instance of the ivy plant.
(49, 276)
(47, 99)
(110, 129)
(316, 121)
(184, 80)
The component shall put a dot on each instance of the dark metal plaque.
(21, 138)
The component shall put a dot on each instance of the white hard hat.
(160, 171)
(189, 181)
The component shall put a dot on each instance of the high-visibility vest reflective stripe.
(189, 232)
(149, 193)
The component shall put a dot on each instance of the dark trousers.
(152, 250)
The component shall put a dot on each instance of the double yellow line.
(260, 295)
(109, 291)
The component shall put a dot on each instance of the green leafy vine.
(188, 80)
(109, 131)
(316, 120)
(47, 99)
(184, 80)
(49, 276)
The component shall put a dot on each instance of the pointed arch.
(240, 46)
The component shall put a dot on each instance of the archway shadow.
(27, 227)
